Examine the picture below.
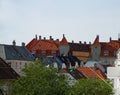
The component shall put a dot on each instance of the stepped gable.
(91, 72)
(6, 72)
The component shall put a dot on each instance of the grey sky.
(79, 20)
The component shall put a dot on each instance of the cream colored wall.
(18, 65)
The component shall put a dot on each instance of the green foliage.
(40, 80)
(91, 87)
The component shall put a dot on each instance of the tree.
(92, 87)
(40, 80)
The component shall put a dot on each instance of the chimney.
(80, 42)
(110, 39)
(98, 36)
(50, 37)
(36, 36)
(90, 43)
(14, 43)
(44, 38)
(72, 41)
(84, 42)
(40, 37)
(57, 39)
(23, 44)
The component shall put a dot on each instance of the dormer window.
(106, 53)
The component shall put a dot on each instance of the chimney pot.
(80, 42)
(90, 43)
(44, 38)
(40, 37)
(36, 36)
(110, 39)
(85, 42)
(50, 37)
(72, 41)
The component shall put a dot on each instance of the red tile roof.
(42, 45)
(31, 44)
(96, 41)
(64, 41)
(91, 72)
(111, 47)
(45, 45)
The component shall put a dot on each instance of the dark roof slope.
(6, 72)
(17, 53)
(79, 47)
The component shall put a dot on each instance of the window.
(33, 52)
(106, 53)
(53, 52)
(43, 53)
(25, 64)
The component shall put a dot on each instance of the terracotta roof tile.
(45, 45)
(96, 41)
(64, 41)
(91, 72)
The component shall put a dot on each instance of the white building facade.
(113, 73)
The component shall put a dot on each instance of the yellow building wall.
(81, 55)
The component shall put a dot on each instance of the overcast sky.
(79, 20)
